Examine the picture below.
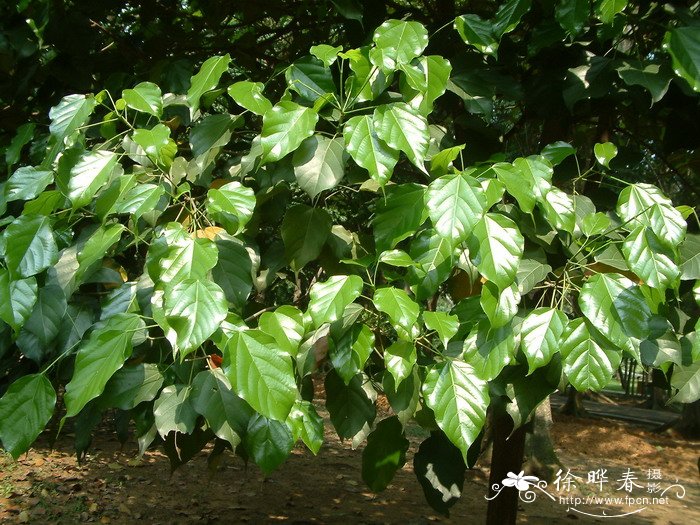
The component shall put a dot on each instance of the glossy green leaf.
(350, 406)
(27, 183)
(44, 323)
(234, 270)
(509, 14)
(442, 162)
(285, 127)
(459, 399)
(319, 164)
(541, 334)
(589, 362)
(131, 385)
(527, 392)
(690, 257)
(187, 258)
(23, 136)
(616, 307)
(30, 247)
(193, 309)
(446, 325)
(139, 200)
(595, 224)
(399, 42)
(559, 210)
(310, 77)
(496, 246)
(249, 95)
(384, 454)
(645, 205)
(655, 78)
(605, 152)
(261, 373)
(368, 150)
(98, 358)
(399, 359)
(173, 410)
(304, 232)
(557, 152)
(350, 352)
(329, 298)
(683, 44)
(478, 32)
(403, 129)
(399, 215)
(325, 53)
(17, 299)
(231, 205)
(397, 258)
(404, 396)
(686, 383)
(432, 74)
(90, 173)
(97, 246)
(530, 274)
(286, 326)
(226, 413)
(650, 260)
(499, 306)
(401, 309)
(268, 442)
(145, 97)
(25, 409)
(157, 144)
(306, 425)
(488, 350)
(607, 9)
(434, 256)
(206, 79)
(72, 112)
(211, 132)
(572, 15)
(455, 203)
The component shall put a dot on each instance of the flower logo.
(519, 481)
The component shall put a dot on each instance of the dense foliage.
(189, 256)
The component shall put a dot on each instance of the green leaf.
(397, 258)
(595, 224)
(157, 144)
(23, 136)
(43, 324)
(325, 53)
(478, 33)
(403, 129)
(527, 392)
(459, 398)
(645, 205)
(145, 97)
(212, 132)
(650, 260)
(348, 9)
(72, 112)
(557, 152)
(404, 396)
(286, 326)
(499, 306)
(25, 409)
(30, 247)
(231, 205)
(384, 454)
(401, 309)
(683, 44)
(27, 183)
(319, 164)
(444, 324)
(398, 42)
(442, 162)
(509, 14)
(329, 299)
(193, 309)
(187, 258)
(572, 15)
(310, 77)
(350, 352)
(434, 256)
(304, 232)
(368, 150)
(226, 413)
(432, 73)
(455, 203)
(399, 215)
(686, 381)
(261, 373)
(439, 467)
(399, 359)
(173, 410)
(98, 358)
(530, 274)
(690, 257)
(268, 442)
(131, 385)
(17, 299)
(655, 78)
(605, 152)
(496, 246)
(249, 95)
(234, 270)
(488, 350)
(559, 210)
(139, 200)
(589, 362)
(97, 246)
(285, 127)
(607, 9)
(306, 425)
(541, 334)
(92, 171)
(616, 307)
(350, 407)
(206, 79)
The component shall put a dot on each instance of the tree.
(187, 258)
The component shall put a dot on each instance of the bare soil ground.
(112, 486)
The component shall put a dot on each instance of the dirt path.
(112, 487)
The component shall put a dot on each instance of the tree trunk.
(507, 456)
(574, 404)
(689, 424)
(541, 460)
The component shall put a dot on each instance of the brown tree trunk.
(541, 460)
(574, 404)
(689, 424)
